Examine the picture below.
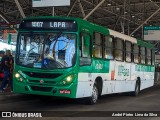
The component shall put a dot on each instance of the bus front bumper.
(59, 91)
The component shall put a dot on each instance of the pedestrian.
(1, 71)
(5, 68)
(11, 65)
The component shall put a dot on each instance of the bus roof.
(122, 36)
(99, 28)
(145, 44)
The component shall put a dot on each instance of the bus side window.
(136, 57)
(85, 52)
(128, 51)
(142, 55)
(108, 47)
(118, 49)
(97, 45)
(148, 57)
(153, 57)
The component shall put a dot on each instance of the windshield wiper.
(51, 42)
(54, 46)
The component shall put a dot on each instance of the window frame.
(143, 55)
(148, 56)
(101, 45)
(133, 54)
(90, 49)
(115, 49)
(106, 47)
(152, 57)
(128, 52)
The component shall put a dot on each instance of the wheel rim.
(95, 94)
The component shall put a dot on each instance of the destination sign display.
(49, 25)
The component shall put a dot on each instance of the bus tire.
(94, 97)
(137, 89)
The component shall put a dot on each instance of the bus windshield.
(46, 50)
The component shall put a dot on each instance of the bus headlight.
(17, 75)
(68, 80)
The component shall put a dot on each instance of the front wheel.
(94, 97)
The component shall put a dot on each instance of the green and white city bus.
(70, 57)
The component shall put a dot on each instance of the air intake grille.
(42, 75)
(43, 89)
(45, 81)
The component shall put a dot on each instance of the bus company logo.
(6, 114)
(41, 81)
(123, 71)
(99, 66)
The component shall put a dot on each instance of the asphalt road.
(107, 107)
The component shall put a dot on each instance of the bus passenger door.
(84, 87)
(119, 65)
(128, 66)
(85, 51)
(119, 77)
